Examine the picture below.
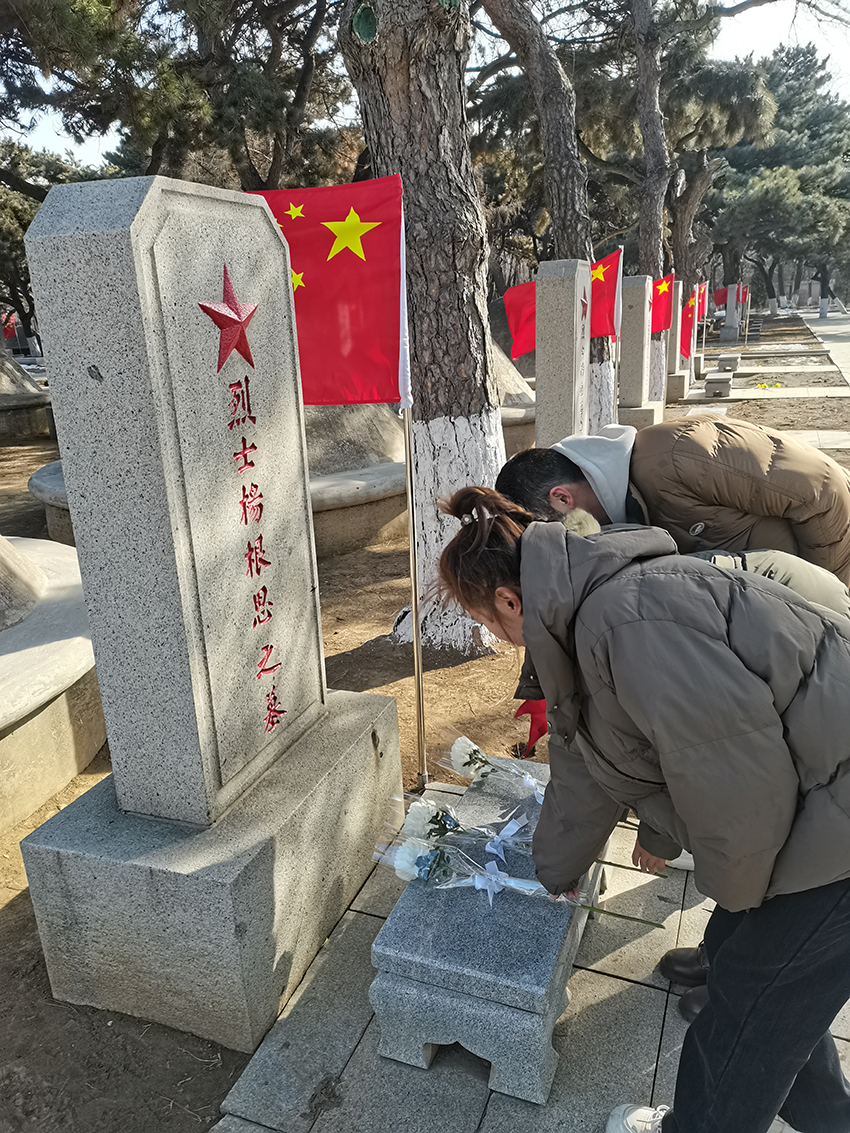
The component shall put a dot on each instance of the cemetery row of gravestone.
(196, 884)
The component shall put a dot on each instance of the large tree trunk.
(657, 165)
(564, 172)
(689, 253)
(407, 60)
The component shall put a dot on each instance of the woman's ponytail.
(484, 554)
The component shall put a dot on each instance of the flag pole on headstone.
(405, 392)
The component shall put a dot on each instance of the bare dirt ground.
(71, 1069)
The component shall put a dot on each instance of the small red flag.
(346, 251)
(688, 325)
(606, 293)
(521, 309)
(702, 305)
(743, 292)
(662, 303)
(720, 296)
(9, 325)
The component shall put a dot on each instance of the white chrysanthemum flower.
(405, 855)
(463, 749)
(419, 815)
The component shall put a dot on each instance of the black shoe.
(684, 966)
(692, 1002)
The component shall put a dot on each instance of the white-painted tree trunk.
(774, 306)
(823, 307)
(448, 454)
(601, 395)
(657, 370)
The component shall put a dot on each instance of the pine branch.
(21, 185)
(623, 171)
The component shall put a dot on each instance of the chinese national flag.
(688, 325)
(346, 250)
(662, 303)
(606, 295)
(720, 296)
(743, 292)
(521, 309)
(9, 325)
(702, 304)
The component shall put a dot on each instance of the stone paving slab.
(608, 1041)
(697, 395)
(695, 913)
(673, 1035)
(626, 948)
(303, 1055)
(821, 438)
(379, 1095)
(379, 894)
(231, 1124)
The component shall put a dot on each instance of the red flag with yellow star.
(346, 252)
(702, 302)
(521, 310)
(662, 303)
(688, 312)
(606, 291)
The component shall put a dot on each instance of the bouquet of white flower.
(468, 760)
(425, 819)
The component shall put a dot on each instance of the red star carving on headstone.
(232, 320)
(584, 303)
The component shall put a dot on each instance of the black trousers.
(761, 1046)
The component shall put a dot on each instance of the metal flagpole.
(422, 776)
(704, 317)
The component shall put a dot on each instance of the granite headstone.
(185, 888)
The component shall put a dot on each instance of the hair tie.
(466, 519)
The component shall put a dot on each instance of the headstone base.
(641, 415)
(210, 931)
(730, 334)
(678, 384)
(699, 366)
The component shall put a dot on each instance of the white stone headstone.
(563, 350)
(187, 481)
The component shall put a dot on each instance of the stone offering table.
(451, 969)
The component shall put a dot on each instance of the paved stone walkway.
(318, 1070)
(834, 333)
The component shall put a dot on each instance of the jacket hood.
(604, 459)
(558, 571)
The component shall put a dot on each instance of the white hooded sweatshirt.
(604, 459)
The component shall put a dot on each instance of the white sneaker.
(780, 1126)
(684, 861)
(636, 1119)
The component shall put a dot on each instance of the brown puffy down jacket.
(713, 702)
(718, 483)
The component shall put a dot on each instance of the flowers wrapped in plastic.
(469, 761)
(449, 867)
(426, 820)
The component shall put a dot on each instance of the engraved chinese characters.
(232, 319)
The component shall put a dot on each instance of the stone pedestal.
(452, 969)
(178, 891)
(210, 931)
(634, 406)
(563, 350)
